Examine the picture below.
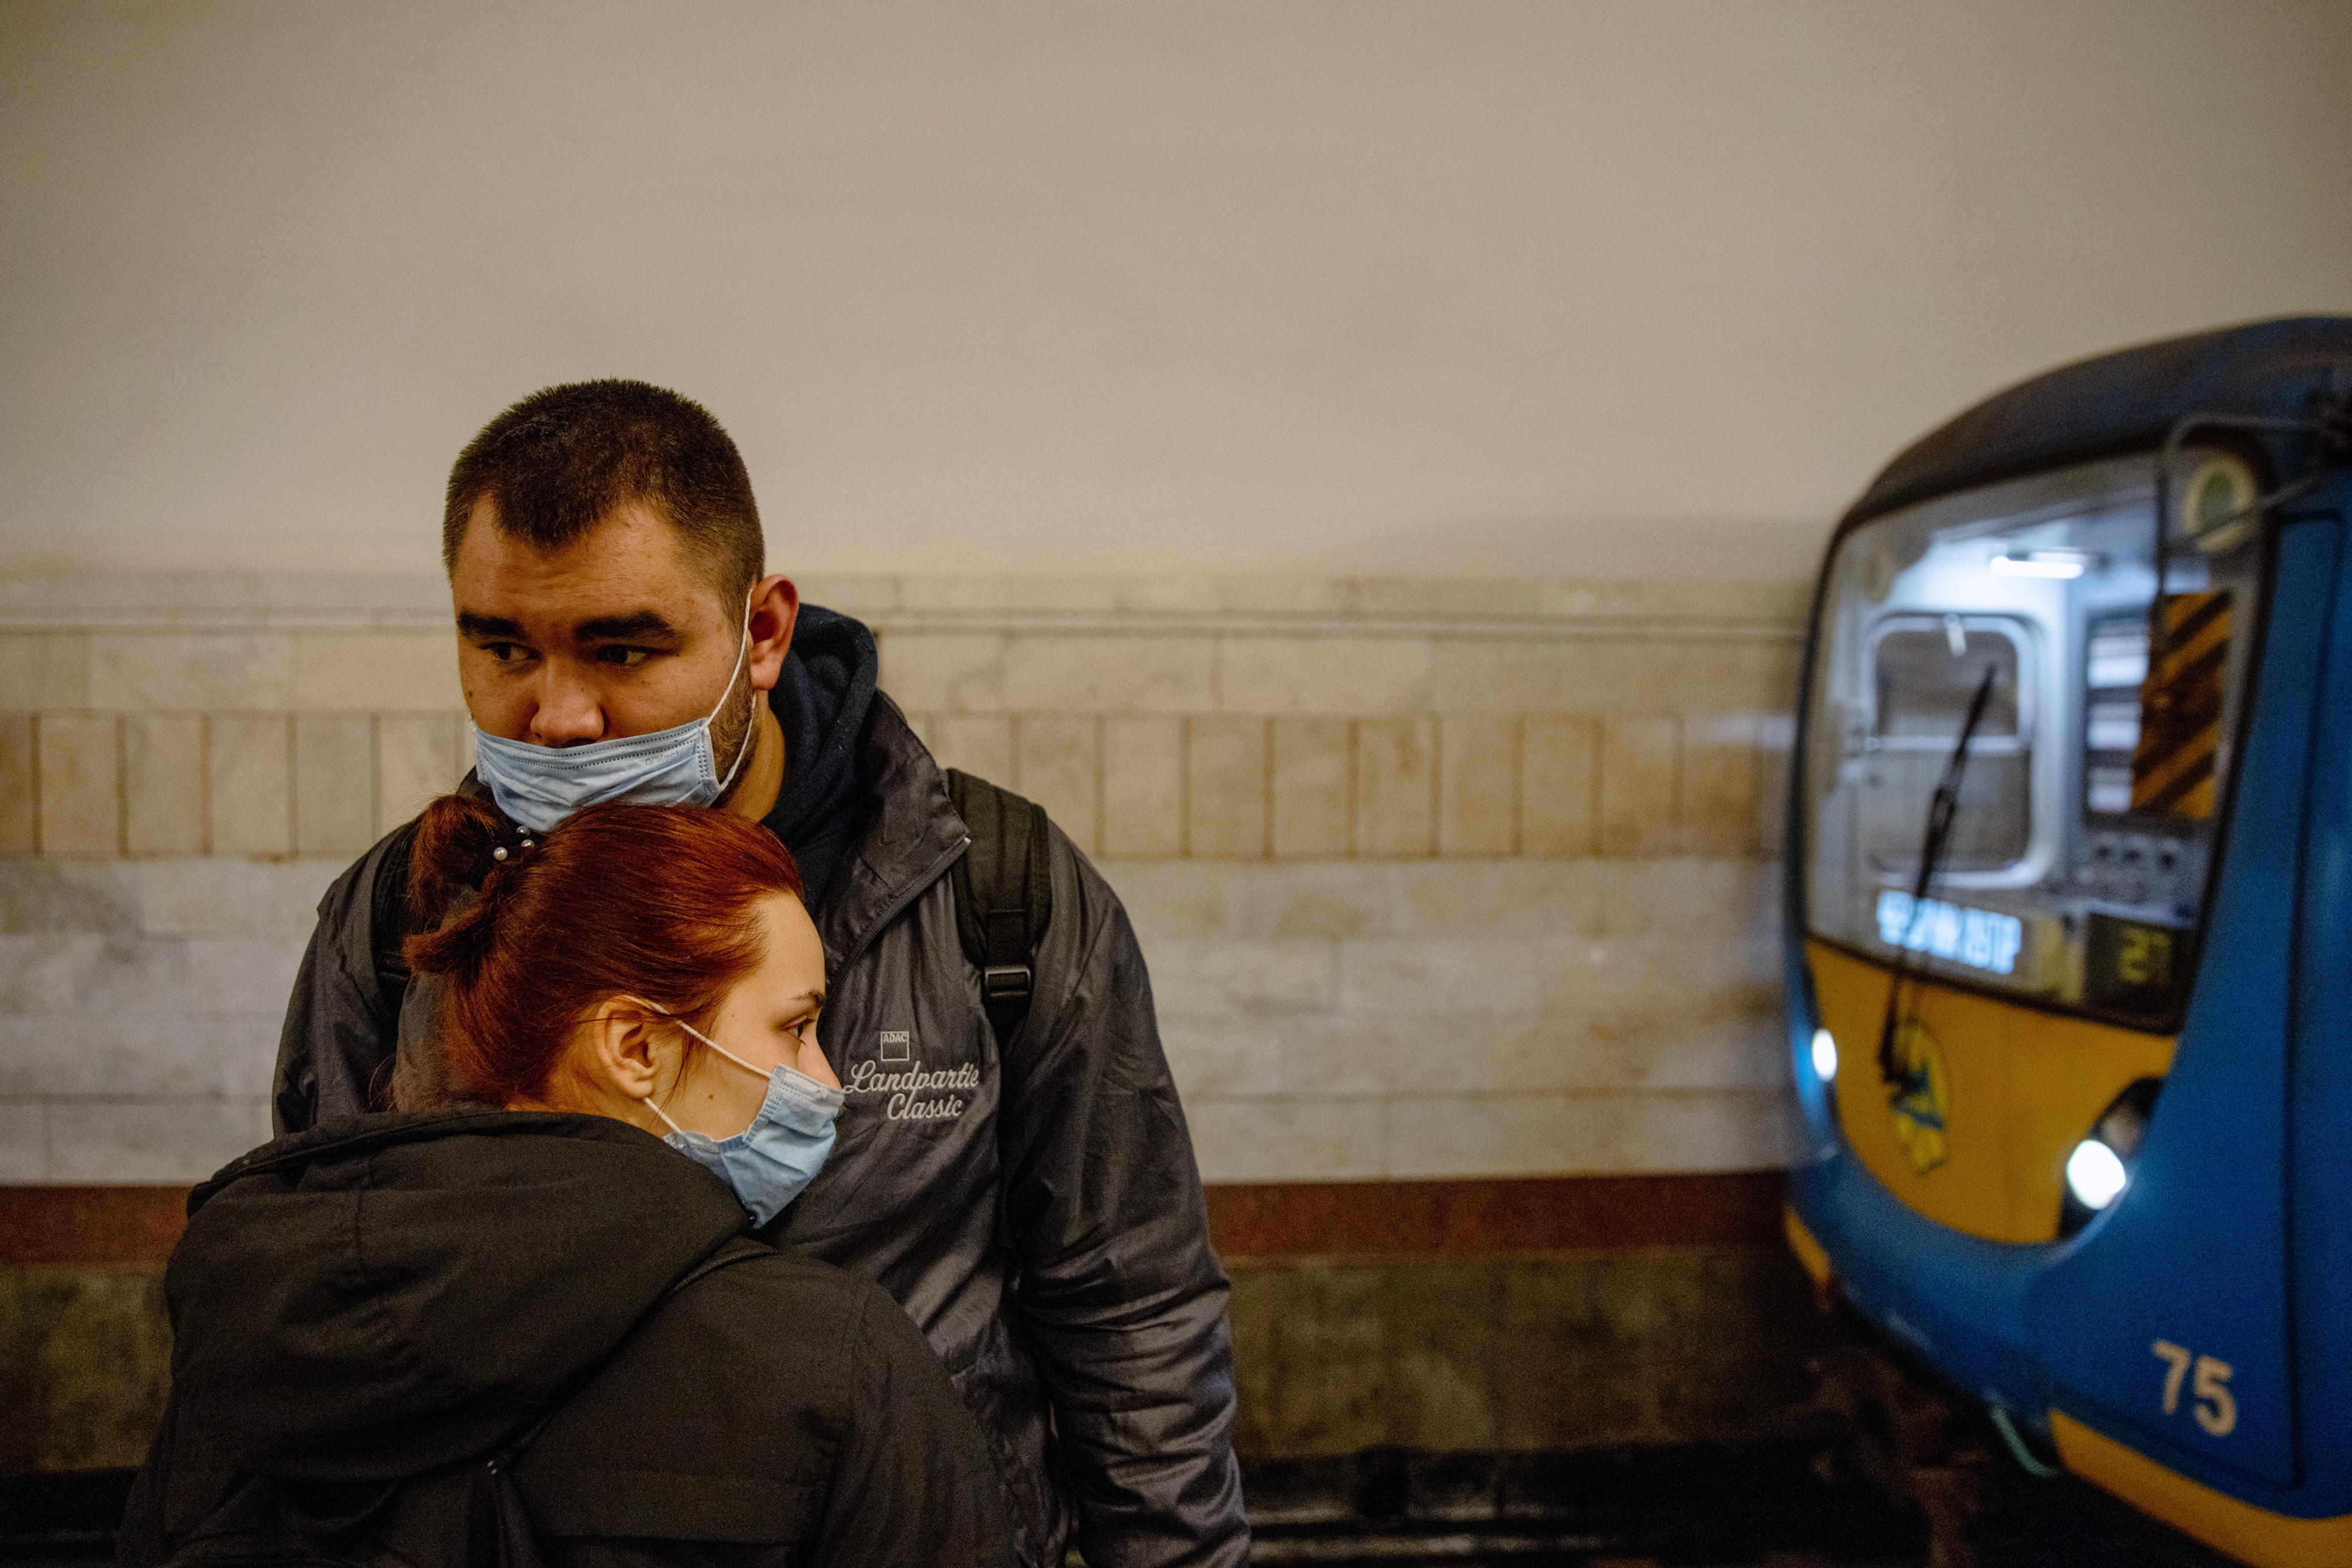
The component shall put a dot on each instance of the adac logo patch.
(909, 1091)
(1922, 1098)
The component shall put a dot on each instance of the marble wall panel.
(391, 672)
(80, 759)
(1313, 799)
(191, 672)
(1323, 675)
(1225, 787)
(1396, 787)
(20, 811)
(334, 783)
(163, 784)
(45, 669)
(415, 760)
(1419, 894)
(249, 788)
(1058, 764)
(1478, 785)
(1143, 788)
(1061, 673)
(1559, 786)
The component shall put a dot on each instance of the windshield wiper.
(1942, 808)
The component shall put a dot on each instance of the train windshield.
(2006, 649)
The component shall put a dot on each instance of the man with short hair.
(1033, 1205)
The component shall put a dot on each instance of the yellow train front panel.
(1990, 1098)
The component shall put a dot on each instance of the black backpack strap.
(1003, 895)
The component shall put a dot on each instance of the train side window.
(1926, 670)
(1927, 673)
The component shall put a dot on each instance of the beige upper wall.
(1569, 289)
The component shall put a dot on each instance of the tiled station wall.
(1434, 880)
(1457, 901)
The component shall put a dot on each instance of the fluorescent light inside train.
(2061, 563)
(1824, 1055)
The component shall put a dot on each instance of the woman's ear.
(624, 1053)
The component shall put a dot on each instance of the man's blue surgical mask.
(768, 1162)
(539, 786)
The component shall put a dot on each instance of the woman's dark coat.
(400, 1292)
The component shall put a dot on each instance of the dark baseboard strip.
(1475, 1218)
(69, 1225)
(91, 1224)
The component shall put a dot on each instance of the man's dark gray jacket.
(1035, 1210)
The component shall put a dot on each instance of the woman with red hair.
(533, 1277)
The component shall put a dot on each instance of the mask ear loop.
(750, 731)
(698, 1034)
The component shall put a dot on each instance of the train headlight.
(2100, 1168)
(2095, 1173)
(1824, 1055)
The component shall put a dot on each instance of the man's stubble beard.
(731, 729)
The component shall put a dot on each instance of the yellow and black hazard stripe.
(2181, 708)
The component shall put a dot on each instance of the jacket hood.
(822, 702)
(395, 1292)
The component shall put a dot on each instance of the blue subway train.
(2069, 925)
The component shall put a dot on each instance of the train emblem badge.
(1922, 1097)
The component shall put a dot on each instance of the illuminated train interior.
(2078, 853)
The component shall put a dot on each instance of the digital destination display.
(1979, 938)
(2130, 965)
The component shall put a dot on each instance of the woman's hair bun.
(455, 851)
(452, 851)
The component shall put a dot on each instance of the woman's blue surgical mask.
(539, 786)
(768, 1162)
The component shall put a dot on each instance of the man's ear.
(776, 607)
(624, 1057)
